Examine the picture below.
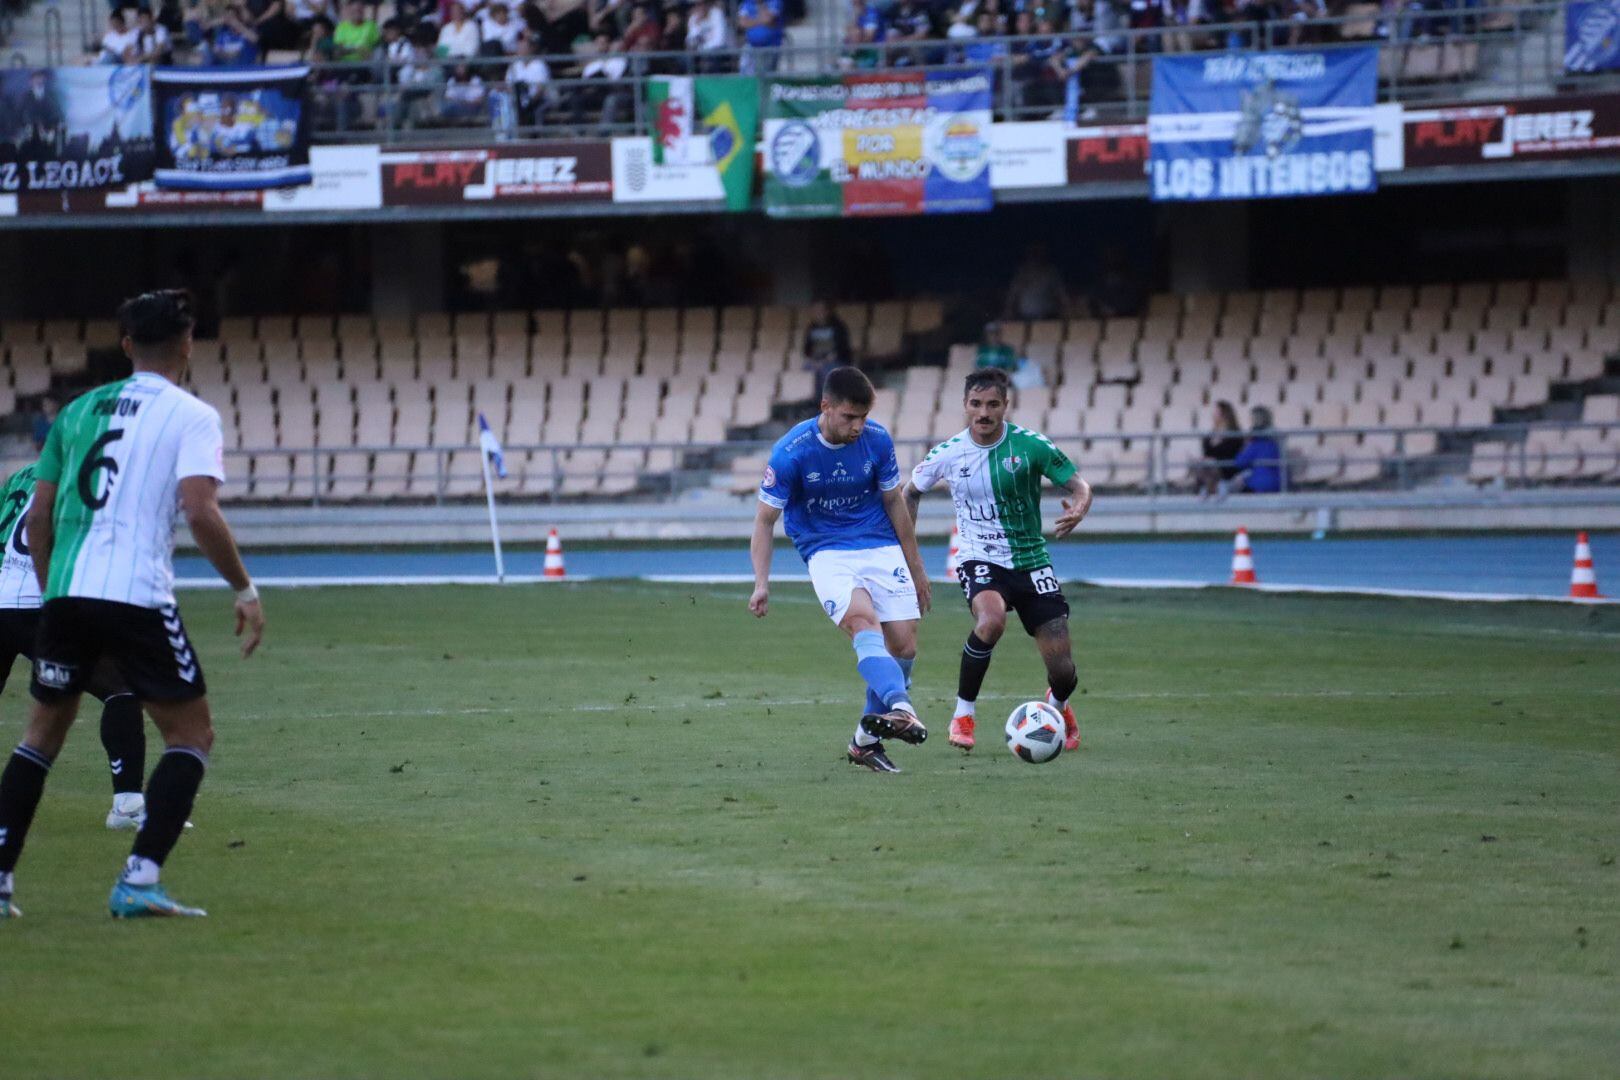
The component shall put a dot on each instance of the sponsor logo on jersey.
(54, 675)
(966, 471)
(770, 476)
(831, 606)
(813, 478)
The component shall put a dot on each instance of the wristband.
(247, 595)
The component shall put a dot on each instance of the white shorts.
(881, 571)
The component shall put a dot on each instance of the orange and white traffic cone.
(554, 560)
(1583, 579)
(1242, 559)
(953, 557)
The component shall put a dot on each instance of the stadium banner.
(637, 177)
(708, 122)
(342, 178)
(1248, 125)
(74, 129)
(1591, 36)
(537, 172)
(1027, 155)
(1094, 154)
(1540, 129)
(231, 129)
(862, 145)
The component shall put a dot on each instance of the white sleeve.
(928, 470)
(202, 445)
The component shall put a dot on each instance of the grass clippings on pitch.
(606, 830)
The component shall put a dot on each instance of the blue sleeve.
(888, 467)
(1249, 455)
(781, 480)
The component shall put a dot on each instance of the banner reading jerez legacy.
(864, 145)
(67, 129)
(1263, 125)
(231, 129)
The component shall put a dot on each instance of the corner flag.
(491, 447)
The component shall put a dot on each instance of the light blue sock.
(873, 704)
(885, 680)
(905, 669)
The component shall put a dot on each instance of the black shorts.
(1034, 594)
(19, 627)
(79, 637)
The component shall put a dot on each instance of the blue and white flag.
(1592, 35)
(231, 128)
(1263, 125)
(491, 447)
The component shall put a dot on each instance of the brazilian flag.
(708, 120)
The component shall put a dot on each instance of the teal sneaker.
(140, 901)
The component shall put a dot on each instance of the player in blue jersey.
(835, 479)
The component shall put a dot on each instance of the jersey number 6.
(97, 459)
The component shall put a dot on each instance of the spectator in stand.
(1179, 17)
(305, 12)
(395, 47)
(643, 33)
(152, 44)
(1107, 20)
(413, 14)
(464, 95)
(609, 64)
(826, 341)
(981, 51)
(418, 81)
(962, 24)
(1260, 463)
(118, 44)
(760, 24)
(994, 352)
(908, 23)
(529, 76)
(1221, 447)
(1301, 13)
(199, 18)
(500, 30)
(459, 37)
(867, 32)
(269, 20)
(319, 48)
(706, 34)
(604, 16)
(48, 408)
(357, 36)
(1036, 290)
(234, 41)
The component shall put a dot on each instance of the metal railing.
(1511, 50)
(1157, 464)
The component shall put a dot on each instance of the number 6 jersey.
(997, 492)
(117, 456)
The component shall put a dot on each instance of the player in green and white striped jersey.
(118, 463)
(994, 470)
(121, 734)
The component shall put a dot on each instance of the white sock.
(5, 884)
(964, 707)
(129, 802)
(139, 871)
(905, 705)
(865, 738)
(1055, 703)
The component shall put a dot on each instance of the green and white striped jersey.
(117, 456)
(997, 492)
(19, 588)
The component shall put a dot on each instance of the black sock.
(1063, 688)
(124, 741)
(169, 795)
(975, 662)
(21, 785)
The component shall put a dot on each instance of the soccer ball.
(1035, 732)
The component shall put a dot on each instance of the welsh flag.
(708, 120)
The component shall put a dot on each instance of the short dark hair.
(156, 318)
(849, 385)
(988, 379)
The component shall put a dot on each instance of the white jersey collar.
(1006, 429)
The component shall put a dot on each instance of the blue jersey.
(832, 496)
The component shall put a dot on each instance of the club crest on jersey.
(1012, 464)
(866, 467)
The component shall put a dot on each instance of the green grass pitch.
(605, 830)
